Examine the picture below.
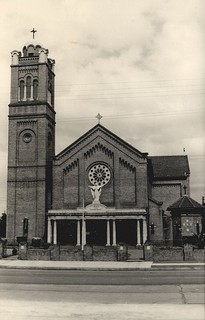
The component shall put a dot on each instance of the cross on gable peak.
(185, 188)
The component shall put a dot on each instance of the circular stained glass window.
(99, 174)
(27, 137)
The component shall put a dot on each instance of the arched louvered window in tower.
(28, 87)
(35, 89)
(21, 90)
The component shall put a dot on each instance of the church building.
(100, 190)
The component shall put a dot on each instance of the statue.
(96, 192)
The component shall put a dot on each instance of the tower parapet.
(32, 75)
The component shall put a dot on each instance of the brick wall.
(167, 254)
(71, 254)
(168, 193)
(104, 254)
(58, 253)
(155, 222)
(199, 255)
(127, 184)
(38, 254)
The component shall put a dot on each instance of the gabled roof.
(169, 167)
(185, 203)
(100, 129)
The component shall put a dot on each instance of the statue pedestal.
(96, 205)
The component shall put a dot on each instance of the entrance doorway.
(96, 232)
(126, 232)
(67, 232)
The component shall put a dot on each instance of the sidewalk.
(74, 265)
(95, 265)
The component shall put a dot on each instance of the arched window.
(35, 89)
(21, 90)
(28, 87)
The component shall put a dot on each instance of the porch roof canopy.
(97, 212)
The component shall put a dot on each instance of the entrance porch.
(79, 228)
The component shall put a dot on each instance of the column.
(49, 230)
(108, 233)
(78, 233)
(55, 232)
(83, 232)
(138, 233)
(114, 233)
(144, 224)
(24, 97)
(31, 98)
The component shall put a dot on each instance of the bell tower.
(31, 142)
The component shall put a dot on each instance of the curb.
(150, 268)
(185, 266)
(75, 268)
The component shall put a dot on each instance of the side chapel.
(100, 190)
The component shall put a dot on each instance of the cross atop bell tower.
(33, 31)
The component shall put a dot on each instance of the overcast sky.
(140, 63)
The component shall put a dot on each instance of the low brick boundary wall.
(104, 254)
(174, 254)
(118, 253)
(2, 249)
(68, 253)
(38, 254)
(168, 254)
(71, 254)
(199, 255)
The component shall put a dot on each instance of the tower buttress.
(31, 144)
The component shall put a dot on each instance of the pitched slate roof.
(169, 167)
(185, 202)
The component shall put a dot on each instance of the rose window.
(99, 174)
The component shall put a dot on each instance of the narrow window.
(21, 90)
(197, 228)
(35, 89)
(25, 227)
(152, 228)
(28, 87)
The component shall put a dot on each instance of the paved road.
(89, 295)
(71, 277)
